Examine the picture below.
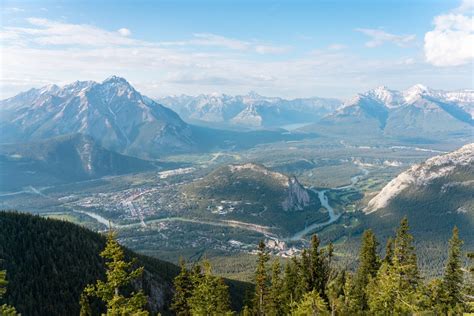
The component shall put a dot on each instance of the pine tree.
(404, 256)
(85, 306)
(119, 274)
(275, 297)
(469, 287)
(397, 286)
(453, 275)
(388, 251)
(316, 266)
(183, 287)
(5, 309)
(306, 276)
(261, 280)
(368, 267)
(291, 284)
(310, 304)
(438, 297)
(382, 291)
(210, 296)
(335, 291)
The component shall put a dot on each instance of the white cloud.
(57, 52)
(451, 42)
(124, 32)
(337, 47)
(47, 32)
(379, 37)
(269, 49)
(12, 10)
(207, 39)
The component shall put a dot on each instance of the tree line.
(308, 284)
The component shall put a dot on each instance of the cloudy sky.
(277, 48)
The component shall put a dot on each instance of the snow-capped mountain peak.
(390, 98)
(416, 92)
(111, 111)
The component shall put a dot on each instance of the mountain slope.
(416, 112)
(111, 111)
(445, 179)
(254, 194)
(435, 196)
(49, 262)
(251, 110)
(62, 159)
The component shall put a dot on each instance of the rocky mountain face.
(111, 111)
(251, 110)
(63, 159)
(435, 196)
(442, 173)
(416, 112)
(298, 197)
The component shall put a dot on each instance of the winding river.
(332, 217)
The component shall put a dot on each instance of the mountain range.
(250, 111)
(416, 112)
(117, 116)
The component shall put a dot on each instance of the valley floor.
(152, 215)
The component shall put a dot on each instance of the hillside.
(254, 194)
(435, 195)
(49, 262)
(62, 159)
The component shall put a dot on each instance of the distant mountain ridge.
(251, 110)
(417, 111)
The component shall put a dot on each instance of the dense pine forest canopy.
(51, 267)
(48, 263)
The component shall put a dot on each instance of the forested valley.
(105, 278)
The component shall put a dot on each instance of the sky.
(276, 48)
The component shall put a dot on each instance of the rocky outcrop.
(298, 197)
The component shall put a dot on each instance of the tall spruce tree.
(210, 295)
(311, 304)
(388, 251)
(275, 299)
(261, 279)
(119, 274)
(336, 295)
(453, 274)
(397, 285)
(404, 255)
(291, 284)
(183, 288)
(368, 267)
